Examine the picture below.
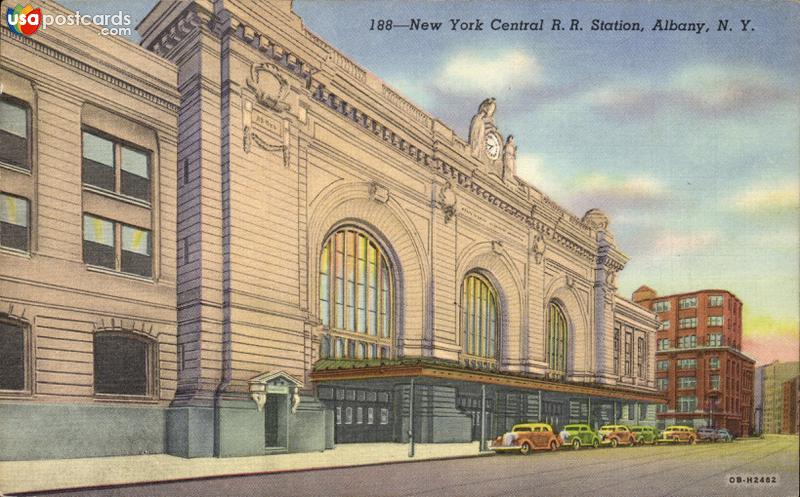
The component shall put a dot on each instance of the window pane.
(98, 161)
(12, 356)
(98, 242)
(120, 365)
(136, 256)
(324, 285)
(135, 178)
(14, 134)
(14, 222)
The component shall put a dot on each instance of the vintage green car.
(646, 434)
(577, 436)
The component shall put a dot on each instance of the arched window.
(123, 364)
(556, 339)
(13, 355)
(479, 321)
(355, 291)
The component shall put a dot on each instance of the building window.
(714, 340)
(661, 384)
(687, 363)
(662, 306)
(687, 404)
(557, 333)
(117, 246)
(479, 320)
(687, 342)
(102, 154)
(617, 331)
(713, 363)
(664, 325)
(628, 351)
(715, 320)
(14, 222)
(687, 303)
(714, 382)
(662, 365)
(715, 301)
(640, 357)
(662, 344)
(661, 408)
(14, 133)
(355, 287)
(687, 323)
(123, 364)
(13, 354)
(685, 382)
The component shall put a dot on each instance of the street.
(700, 470)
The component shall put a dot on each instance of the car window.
(522, 428)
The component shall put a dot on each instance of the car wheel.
(576, 444)
(553, 446)
(614, 443)
(525, 449)
(692, 441)
(676, 439)
(595, 443)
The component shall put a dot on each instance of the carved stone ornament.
(597, 219)
(260, 398)
(269, 86)
(479, 128)
(276, 383)
(537, 246)
(378, 193)
(497, 247)
(611, 278)
(570, 281)
(295, 399)
(447, 201)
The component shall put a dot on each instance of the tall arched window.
(479, 321)
(355, 292)
(557, 332)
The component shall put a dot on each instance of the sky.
(689, 142)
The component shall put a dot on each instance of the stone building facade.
(340, 266)
(88, 132)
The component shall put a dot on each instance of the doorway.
(275, 422)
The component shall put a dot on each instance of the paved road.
(700, 470)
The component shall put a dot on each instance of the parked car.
(615, 435)
(706, 434)
(580, 436)
(724, 435)
(527, 437)
(645, 434)
(678, 433)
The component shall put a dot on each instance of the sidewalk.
(30, 476)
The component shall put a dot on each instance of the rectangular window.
(370, 415)
(338, 415)
(661, 408)
(14, 222)
(101, 158)
(384, 416)
(14, 148)
(715, 320)
(12, 352)
(348, 416)
(713, 363)
(663, 344)
(688, 303)
(662, 306)
(617, 330)
(121, 365)
(715, 301)
(661, 384)
(687, 323)
(714, 340)
(117, 246)
(662, 365)
(687, 382)
(640, 355)
(714, 381)
(687, 342)
(687, 404)
(664, 325)
(687, 363)
(628, 352)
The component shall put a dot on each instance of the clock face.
(493, 146)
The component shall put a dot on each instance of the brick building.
(700, 367)
(791, 414)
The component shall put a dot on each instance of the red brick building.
(791, 406)
(700, 367)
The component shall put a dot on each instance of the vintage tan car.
(527, 437)
(678, 434)
(615, 435)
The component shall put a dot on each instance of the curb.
(235, 475)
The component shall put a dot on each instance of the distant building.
(758, 401)
(775, 375)
(700, 367)
(791, 420)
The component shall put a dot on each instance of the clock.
(493, 146)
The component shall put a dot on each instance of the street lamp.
(712, 399)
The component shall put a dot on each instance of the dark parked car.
(723, 435)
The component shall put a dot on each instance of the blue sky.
(690, 142)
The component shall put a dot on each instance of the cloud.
(532, 168)
(632, 188)
(488, 74)
(674, 243)
(703, 89)
(766, 199)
